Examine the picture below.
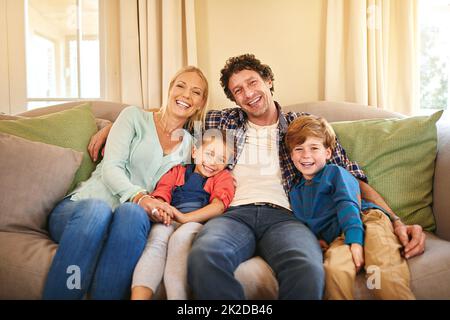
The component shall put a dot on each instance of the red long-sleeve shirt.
(220, 186)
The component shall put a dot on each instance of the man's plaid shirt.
(235, 119)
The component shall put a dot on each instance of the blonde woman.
(103, 225)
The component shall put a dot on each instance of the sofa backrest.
(101, 109)
(332, 111)
(441, 183)
(342, 111)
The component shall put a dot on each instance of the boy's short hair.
(309, 126)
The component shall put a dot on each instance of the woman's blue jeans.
(98, 249)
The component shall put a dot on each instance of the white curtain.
(371, 53)
(157, 37)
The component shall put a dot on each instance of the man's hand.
(411, 237)
(357, 255)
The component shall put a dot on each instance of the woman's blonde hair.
(199, 115)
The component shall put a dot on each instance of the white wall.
(4, 74)
(288, 35)
(15, 58)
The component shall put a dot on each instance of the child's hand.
(178, 216)
(323, 245)
(357, 255)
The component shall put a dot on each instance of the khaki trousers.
(387, 271)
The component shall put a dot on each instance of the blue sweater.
(134, 160)
(329, 204)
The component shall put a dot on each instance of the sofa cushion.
(398, 157)
(100, 123)
(430, 273)
(34, 176)
(257, 279)
(71, 128)
(24, 264)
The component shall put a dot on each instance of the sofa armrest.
(441, 186)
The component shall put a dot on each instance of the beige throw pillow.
(34, 176)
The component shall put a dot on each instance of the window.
(41, 80)
(434, 18)
(62, 51)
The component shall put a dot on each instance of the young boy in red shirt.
(196, 192)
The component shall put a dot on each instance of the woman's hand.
(157, 210)
(357, 255)
(162, 216)
(97, 142)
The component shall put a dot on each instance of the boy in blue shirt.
(327, 199)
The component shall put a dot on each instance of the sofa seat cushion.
(430, 272)
(257, 279)
(255, 276)
(429, 275)
(24, 264)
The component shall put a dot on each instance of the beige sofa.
(25, 258)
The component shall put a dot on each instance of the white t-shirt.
(257, 170)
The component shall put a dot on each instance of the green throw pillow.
(70, 128)
(398, 157)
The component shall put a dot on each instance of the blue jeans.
(286, 244)
(102, 245)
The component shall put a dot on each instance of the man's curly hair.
(244, 62)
